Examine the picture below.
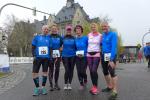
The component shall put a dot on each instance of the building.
(72, 13)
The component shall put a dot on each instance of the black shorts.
(107, 69)
(37, 64)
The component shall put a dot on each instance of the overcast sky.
(130, 17)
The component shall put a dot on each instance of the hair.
(104, 23)
(78, 26)
(45, 26)
(54, 25)
(94, 24)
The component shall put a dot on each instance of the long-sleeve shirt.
(69, 46)
(82, 43)
(109, 44)
(56, 41)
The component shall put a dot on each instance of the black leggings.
(54, 63)
(93, 63)
(81, 64)
(68, 63)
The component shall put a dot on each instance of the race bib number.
(107, 56)
(56, 53)
(43, 50)
(80, 53)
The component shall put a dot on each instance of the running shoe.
(107, 89)
(66, 87)
(51, 88)
(94, 90)
(36, 91)
(57, 87)
(113, 96)
(43, 91)
(69, 87)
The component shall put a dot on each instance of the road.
(133, 84)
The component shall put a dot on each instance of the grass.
(2, 74)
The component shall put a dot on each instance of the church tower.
(70, 3)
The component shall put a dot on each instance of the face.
(68, 31)
(94, 28)
(78, 31)
(54, 30)
(105, 27)
(45, 30)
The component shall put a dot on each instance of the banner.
(4, 63)
(20, 60)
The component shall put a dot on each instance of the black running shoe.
(107, 89)
(57, 87)
(51, 88)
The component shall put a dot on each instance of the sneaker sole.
(35, 95)
(94, 93)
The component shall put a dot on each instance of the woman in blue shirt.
(81, 61)
(68, 57)
(56, 43)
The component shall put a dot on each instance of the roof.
(67, 13)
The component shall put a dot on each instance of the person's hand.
(112, 64)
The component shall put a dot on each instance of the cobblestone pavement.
(133, 83)
(16, 76)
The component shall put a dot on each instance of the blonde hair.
(53, 25)
(95, 24)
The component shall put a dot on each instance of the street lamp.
(144, 37)
(33, 9)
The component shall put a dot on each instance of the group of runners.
(49, 49)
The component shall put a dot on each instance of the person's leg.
(71, 68)
(93, 65)
(79, 70)
(90, 64)
(84, 60)
(57, 68)
(51, 71)
(45, 64)
(66, 75)
(114, 79)
(96, 61)
(148, 61)
(35, 71)
(107, 76)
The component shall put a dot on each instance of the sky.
(131, 18)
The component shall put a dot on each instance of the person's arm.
(114, 44)
(34, 46)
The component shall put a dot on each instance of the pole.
(144, 37)
(21, 7)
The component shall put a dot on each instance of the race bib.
(80, 53)
(56, 53)
(107, 56)
(43, 50)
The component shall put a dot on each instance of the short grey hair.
(45, 26)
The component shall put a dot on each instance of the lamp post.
(144, 37)
(33, 9)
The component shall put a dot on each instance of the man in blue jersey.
(147, 53)
(54, 66)
(109, 54)
(41, 54)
